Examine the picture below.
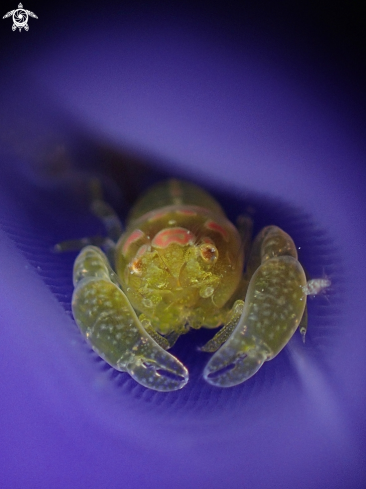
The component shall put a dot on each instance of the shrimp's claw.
(112, 328)
(229, 367)
(162, 374)
(273, 308)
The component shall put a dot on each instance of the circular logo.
(20, 18)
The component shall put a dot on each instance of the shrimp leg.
(103, 211)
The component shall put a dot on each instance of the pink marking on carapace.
(168, 236)
(133, 237)
(186, 212)
(213, 226)
(158, 215)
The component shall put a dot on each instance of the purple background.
(264, 109)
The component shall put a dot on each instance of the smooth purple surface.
(190, 105)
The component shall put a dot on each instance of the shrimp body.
(179, 265)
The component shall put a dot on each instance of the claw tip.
(234, 369)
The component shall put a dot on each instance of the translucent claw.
(229, 366)
(273, 308)
(110, 325)
(163, 374)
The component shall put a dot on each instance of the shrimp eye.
(209, 252)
